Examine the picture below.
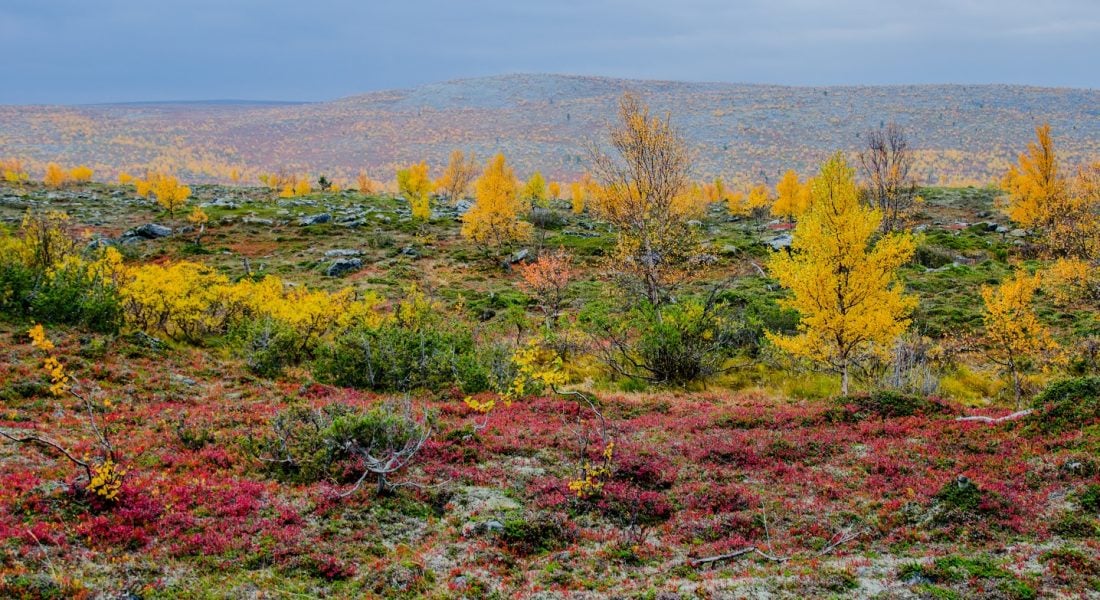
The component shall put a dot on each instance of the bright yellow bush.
(191, 301)
(55, 176)
(81, 174)
(13, 171)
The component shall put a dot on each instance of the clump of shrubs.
(885, 404)
(536, 532)
(45, 277)
(1067, 404)
(398, 357)
(343, 444)
(961, 501)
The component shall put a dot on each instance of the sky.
(88, 51)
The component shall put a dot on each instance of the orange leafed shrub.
(547, 279)
(55, 175)
(81, 174)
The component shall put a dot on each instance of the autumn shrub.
(1067, 404)
(889, 404)
(76, 295)
(43, 277)
(677, 344)
(962, 501)
(395, 357)
(342, 444)
(534, 532)
(269, 346)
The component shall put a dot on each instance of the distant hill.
(965, 133)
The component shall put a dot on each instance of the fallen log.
(1016, 415)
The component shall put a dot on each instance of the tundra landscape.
(554, 336)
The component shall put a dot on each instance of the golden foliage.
(554, 189)
(13, 170)
(455, 181)
(493, 220)
(644, 192)
(534, 191)
(416, 186)
(1067, 214)
(192, 301)
(365, 184)
(789, 197)
(198, 217)
(170, 193)
(843, 286)
(577, 194)
(81, 174)
(1014, 336)
(55, 176)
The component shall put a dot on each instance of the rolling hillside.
(965, 133)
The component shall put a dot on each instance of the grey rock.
(258, 221)
(149, 231)
(519, 256)
(1018, 233)
(352, 224)
(343, 266)
(315, 219)
(780, 242)
(1001, 229)
(220, 203)
(342, 252)
(920, 228)
(494, 526)
(463, 206)
(410, 252)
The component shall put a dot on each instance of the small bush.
(1088, 499)
(932, 257)
(270, 346)
(962, 501)
(1073, 525)
(1068, 404)
(677, 344)
(537, 532)
(888, 404)
(341, 443)
(393, 357)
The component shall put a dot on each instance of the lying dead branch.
(1016, 415)
(841, 538)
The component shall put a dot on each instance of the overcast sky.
(78, 51)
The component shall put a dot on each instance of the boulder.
(463, 206)
(519, 256)
(780, 242)
(343, 266)
(149, 231)
(315, 219)
(342, 252)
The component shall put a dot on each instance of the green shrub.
(395, 357)
(342, 444)
(1089, 498)
(269, 346)
(888, 404)
(1073, 525)
(536, 532)
(676, 344)
(962, 501)
(1067, 404)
